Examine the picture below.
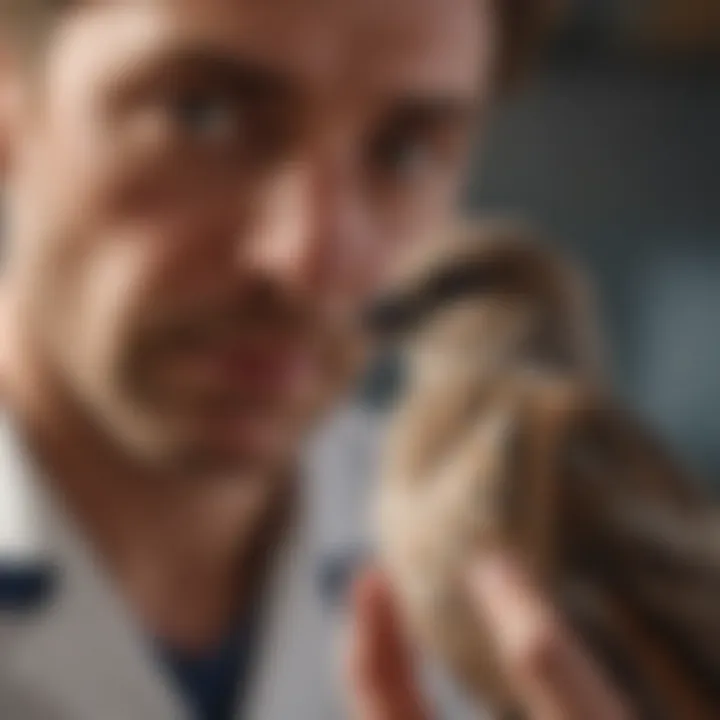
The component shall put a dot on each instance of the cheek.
(94, 314)
(380, 256)
(344, 360)
(337, 371)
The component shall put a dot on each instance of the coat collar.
(78, 649)
(81, 653)
(24, 537)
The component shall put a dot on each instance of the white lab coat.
(82, 656)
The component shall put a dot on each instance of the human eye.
(207, 117)
(403, 156)
(418, 143)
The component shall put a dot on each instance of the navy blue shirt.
(213, 683)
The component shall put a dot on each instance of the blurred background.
(613, 149)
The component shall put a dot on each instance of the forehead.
(326, 45)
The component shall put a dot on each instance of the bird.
(508, 434)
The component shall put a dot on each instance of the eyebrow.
(434, 109)
(245, 75)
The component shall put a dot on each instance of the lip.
(262, 370)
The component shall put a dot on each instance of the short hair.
(27, 23)
(523, 26)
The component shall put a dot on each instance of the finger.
(380, 669)
(554, 678)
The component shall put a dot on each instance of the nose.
(313, 232)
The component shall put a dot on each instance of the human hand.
(552, 675)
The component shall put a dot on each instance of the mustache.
(258, 315)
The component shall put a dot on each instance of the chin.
(244, 455)
(207, 462)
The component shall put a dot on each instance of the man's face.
(206, 193)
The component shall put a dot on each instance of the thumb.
(380, 668)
